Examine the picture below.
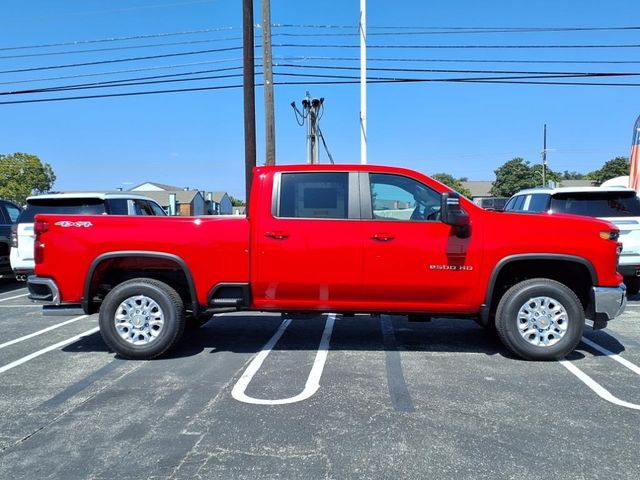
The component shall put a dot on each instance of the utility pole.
(363, 81)
(311, 109)
(269, 121)
(544, 157)
(248, 81)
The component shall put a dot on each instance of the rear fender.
(133, 255)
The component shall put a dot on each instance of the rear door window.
(516, 203)
(314, 195)
(597, 204)
(118, 206)
(61, 206)
(539, 202)
(142, 207)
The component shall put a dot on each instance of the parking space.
(253, 396)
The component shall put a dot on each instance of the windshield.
(596, 204)
(77, 206)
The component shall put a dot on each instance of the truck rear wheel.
(142, 318)
(540, 319)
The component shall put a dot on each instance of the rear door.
(412, 260)
(307, 247)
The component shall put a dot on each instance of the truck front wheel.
(540, 319)
(141, 318)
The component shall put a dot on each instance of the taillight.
(14, 236)
(38, 251)
(40, 227)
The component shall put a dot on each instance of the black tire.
(163, 300)
(632, 284)
(508, 322)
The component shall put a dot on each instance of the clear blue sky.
(196, 139)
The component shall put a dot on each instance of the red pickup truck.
(334, 238)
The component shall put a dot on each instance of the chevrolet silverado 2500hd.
(334, 238)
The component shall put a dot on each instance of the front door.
(412, 260)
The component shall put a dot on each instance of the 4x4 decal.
(66, 223)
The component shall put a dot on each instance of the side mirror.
(452, 213)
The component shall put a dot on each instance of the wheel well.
(111, 272)
(574, 275)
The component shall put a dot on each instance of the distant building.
(219, 203)
(183, 201)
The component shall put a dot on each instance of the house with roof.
(184, 201)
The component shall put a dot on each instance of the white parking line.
(48, 349)
(313, 381)
(595, 386)
(11, 298)
(40, 332)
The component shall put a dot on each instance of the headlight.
(609, 235)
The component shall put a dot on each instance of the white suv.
(80, 203)
(617, 205)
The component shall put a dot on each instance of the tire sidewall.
(517, 296)
(171, 330)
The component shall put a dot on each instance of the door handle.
(277, 235)
(383, 237)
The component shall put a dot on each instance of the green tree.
(22, 174)
(518, 174)
(536, 177)
(453, 183)
(511, 177)
(567, 175)
(236, 202)
(615, 167)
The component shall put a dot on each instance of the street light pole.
(363, 81)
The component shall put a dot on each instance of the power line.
(464, 79)
(460, 60)
(119, 39)
(335, 80)
(476, 47)
(123, 94)
(115, 72)
(429, 70)
(129, 81)
(146, 80)
(419, 30)
(119, 60)
(460, 29)
(129, 47)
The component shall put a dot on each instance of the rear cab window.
(597, 204)
(61, 206)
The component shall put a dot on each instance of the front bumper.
(609, 302)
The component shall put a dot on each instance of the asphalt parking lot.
(250, 396)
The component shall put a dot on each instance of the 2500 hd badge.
(455, 268)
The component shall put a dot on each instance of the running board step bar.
(226, 302)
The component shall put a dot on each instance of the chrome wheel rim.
(139, 320)
(542, 321)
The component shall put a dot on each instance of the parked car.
(22, 235)
(8, 215)
(618, 205)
